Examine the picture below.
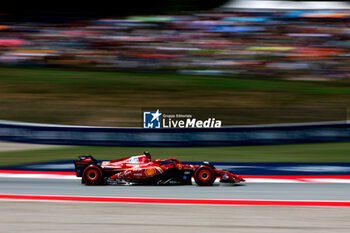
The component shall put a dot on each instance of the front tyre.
(204, 176)
(93, 175)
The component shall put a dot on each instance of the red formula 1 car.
(141, 170)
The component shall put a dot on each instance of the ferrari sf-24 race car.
(141, 169)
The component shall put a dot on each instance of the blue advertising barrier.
(225, 136)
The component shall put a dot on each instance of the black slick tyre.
(204, 176)
(93, 175)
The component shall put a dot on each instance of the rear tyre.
(93, 175)
(204, 176)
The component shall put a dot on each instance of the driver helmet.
(148, 155)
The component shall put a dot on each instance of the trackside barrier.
(225, 136)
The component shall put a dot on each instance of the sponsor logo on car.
(134, 159)
(150, 171)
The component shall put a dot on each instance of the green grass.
(99, 98)
(155, 81)
(116, 99)
(318, 152)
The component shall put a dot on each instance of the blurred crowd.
(288, 44)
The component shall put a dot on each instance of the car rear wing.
(82, 163)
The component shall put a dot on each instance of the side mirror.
(157, 161)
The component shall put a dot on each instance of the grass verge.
(317, 152)
(116, 98)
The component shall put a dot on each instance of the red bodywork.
(140, 169)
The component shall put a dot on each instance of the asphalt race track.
(255, 191)
(47, 216)
(54, 217)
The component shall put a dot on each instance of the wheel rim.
(204, 175)
(92, 175)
